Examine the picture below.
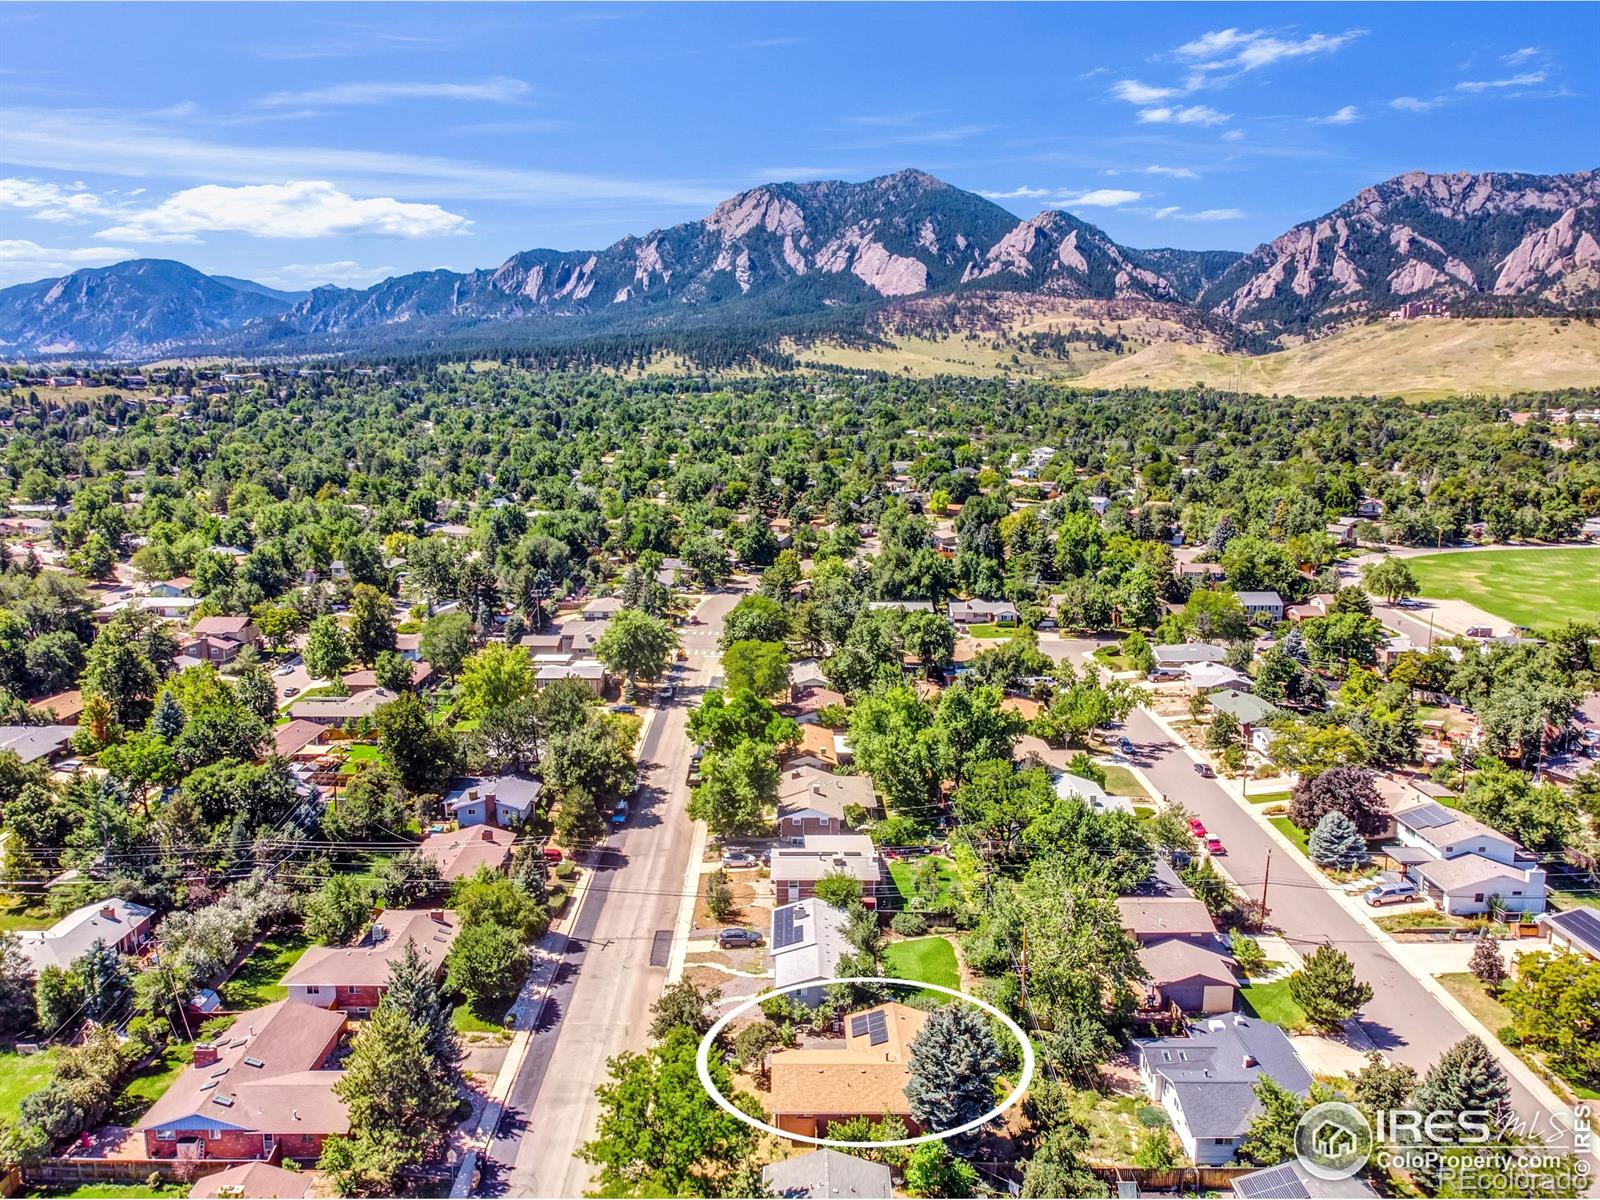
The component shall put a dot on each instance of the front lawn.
(256, 981)
(1122, 782)
(926, 960)
(486, 1016)
(990, 631)
(1497, 1018)
(1272, 1002)
(1268, 797)
(1293, 832)
(19, 1075)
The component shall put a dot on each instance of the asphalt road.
(1403, 1019)
(614, 965)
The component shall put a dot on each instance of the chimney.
(1249, 1061)
(205, 1054)
(472, 793)
(437, 914)
(488, 834)
(108, 911)
(488, 797)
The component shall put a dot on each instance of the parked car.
(668, 692)
(552, 854)
(1214, 846)
(620, 708)
(1204, 771)
(619, 814)
(1197, 827)
(738, 858)
(287, 692)
(1124, 745)
(730, 939)
(1396, 891)
(286, 670)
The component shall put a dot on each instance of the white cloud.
(1102, 198)
(499, 90)
(344, 273)
(1250, 50)
(1413, 104)
(60, 140)
(50, 201)
(1486, 85)
(1517, 57)
(305, 209)
(1135, 92)
(1344, 116)
(22, 261)
(1173, 212)
(1233, 135)
(1194, 114)
(1019, 193)
(1171, 172)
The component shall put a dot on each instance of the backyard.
(19, 1075)
(1537, 588)
(926, 960)
(146, 1086)
(1272, 1002)
(932, 897)
(256, 981)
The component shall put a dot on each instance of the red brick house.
(811, 801)
(353, 978)
(260, 1091)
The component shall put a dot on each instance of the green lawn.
(1268, 797)
(25, 918)
(902, 872)
(1475, 998)
(1122, 782)
(1291, 831)
(145, 1088)
(991, 631)
(114, 1191)
(19, 1075)
(361, 753)
(1536, 588)
(927, 960)
(256, 981)
(1272, 1002)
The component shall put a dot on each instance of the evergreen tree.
(1336, 842)
(167, 719)
(954, 1062)
(392, 1083)
(1327, 989)
(413, 991)
(1466, 1079)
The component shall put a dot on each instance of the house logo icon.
(1333, 1140)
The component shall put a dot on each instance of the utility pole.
(1266, 874)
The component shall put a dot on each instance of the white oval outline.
(702, 1065)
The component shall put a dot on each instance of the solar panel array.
(877, 1028)
(1280, 1183)
(858, 1025)
(1583, 922)
(1429, 816)
(788, 928)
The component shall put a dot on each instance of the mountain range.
(784, 254)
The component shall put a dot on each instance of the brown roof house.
(460, 852)
(260, 1091)
(1187, 963)
(255, 1181)
(866, 1077)
(354, 978)
(811, 801)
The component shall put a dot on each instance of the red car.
(552, 855)
(1196, 827)
(1214, 846)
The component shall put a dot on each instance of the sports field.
(1536, 588)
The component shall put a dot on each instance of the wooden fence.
(56, 1171)
(1189, 1179)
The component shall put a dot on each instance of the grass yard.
(1475, 998)
(103, 1190)
(256, 981)
(903, 873)
(1537, 588)
(22, 917)
(19, 1075)
(927, 960)
(145, 1088)
(990, 631)
(1272, 1002)
(487, 1016)
(1122, 782)
(361, 754)
(1293, 832)
(1268, 797)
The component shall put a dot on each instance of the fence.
(126, 1170)
(1209, 1179)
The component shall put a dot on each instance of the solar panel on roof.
(1429, 816)
(1584, 923)
(1280, 1183)
(787, 929)
(859, 1025)
(877, 1028)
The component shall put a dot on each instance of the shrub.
(908, 924)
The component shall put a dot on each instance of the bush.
(908, 924)
(1153, 1118)
(565, 869)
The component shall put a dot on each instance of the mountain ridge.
(784, 252)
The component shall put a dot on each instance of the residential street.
(614, 969)
(1404, 1019)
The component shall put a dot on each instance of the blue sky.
(300, 143)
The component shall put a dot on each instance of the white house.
(1262, 604)
(807, 943)
(1464, 865)
(506, 801)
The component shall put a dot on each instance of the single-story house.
(807, 943)
(1343, 530)
(811, 801)
(805, 703)
(983, 612)
(30, 743)
(1311, 606)
(1261, 604)
(297, 738)
(602, 608)
(170, 607)
(505, 800)
(1576, 931)
(1206, 1081)
(816, 749)
(1291, 1181)
(814, 1087)
(1248, 710)
(1211, 677)
(1091, 793)
(828, 1174)
(255, 1181)
(540, 643)
(180, 585)
(120, 924)
(807, 673)
(580, 637)
(63, 708)
(360, 681)
(902, 605)
(588, 671)
(459, 853)
(796, 869)
(262, 1090)
(354, 978)
(1155, 918)
(1197, 976)
(1176, 655)
(336, 710)
(1469, 883)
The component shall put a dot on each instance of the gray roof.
(1190, 652)
(1290, 1180)
(61, 945)
(1245, 708)
(1259, 599)
(33, 742)
(1210, 1078)
(826, 1173)
(516, 792)
(818, 930)
(1580, 926)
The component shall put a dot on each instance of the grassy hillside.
(1539, 588)
(1417, 359)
